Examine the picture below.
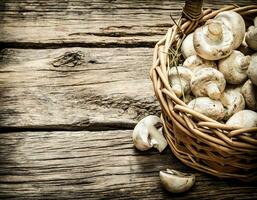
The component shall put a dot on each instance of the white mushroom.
(146, 135)
(194, 62)
(243, 118)
(233, 101)
(179, 78)
(187, 47)
(250, 94)
(251, 37)
(255, 21)
(234, 67)
(213, 41)
(210, 108)
(252, 69)
(175, 181)
(236, 23)
(207, 81)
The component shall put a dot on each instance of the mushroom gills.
(148, 134)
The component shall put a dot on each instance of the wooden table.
(74, 79)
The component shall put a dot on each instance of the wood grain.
(56, 93)
(75, 88)
(98, 23)
(95, 165)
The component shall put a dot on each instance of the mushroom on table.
(175, 181)
(148, 133)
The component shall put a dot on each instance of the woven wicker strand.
(197, 140)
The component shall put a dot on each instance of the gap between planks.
(30, 45)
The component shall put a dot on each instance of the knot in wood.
(69, 59)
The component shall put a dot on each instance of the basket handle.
(193, 9)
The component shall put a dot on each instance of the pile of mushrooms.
(218, 79)
(221, 59)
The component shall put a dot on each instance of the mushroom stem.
(158, 141)
(146, 135)
(213, 91)
(215, 31)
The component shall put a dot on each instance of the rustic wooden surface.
(95, 165)
(73, 83)
(99, 23)
(101, 90)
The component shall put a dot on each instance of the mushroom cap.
(193, 62)
(250, 94)
(182, 71)
(207, 81)
(236, 23)
(233, 101)
(175, 181)
(252, 69)
(213, 41)
(208, 107)
(234, 67)
(140, 133)
(187, 47)
(251, 37)
(179, 78)
(243, 118)
(255, 21)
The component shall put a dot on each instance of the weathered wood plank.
(107, 88)
(31, 23)
(95, 165)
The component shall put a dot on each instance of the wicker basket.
(198, 141)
